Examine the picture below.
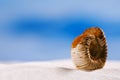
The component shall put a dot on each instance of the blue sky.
(44, 30)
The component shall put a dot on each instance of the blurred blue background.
(35, 30)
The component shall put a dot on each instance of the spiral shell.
(89, 50)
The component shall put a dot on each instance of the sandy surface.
(56, 70)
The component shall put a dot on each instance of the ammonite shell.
(89, 50)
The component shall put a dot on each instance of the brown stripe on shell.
(89, 50)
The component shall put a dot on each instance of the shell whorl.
(89, 50)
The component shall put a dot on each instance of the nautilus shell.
(89, 50)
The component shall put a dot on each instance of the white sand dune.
(57, 70)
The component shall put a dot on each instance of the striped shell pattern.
(89, 50)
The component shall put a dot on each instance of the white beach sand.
(57, 70)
